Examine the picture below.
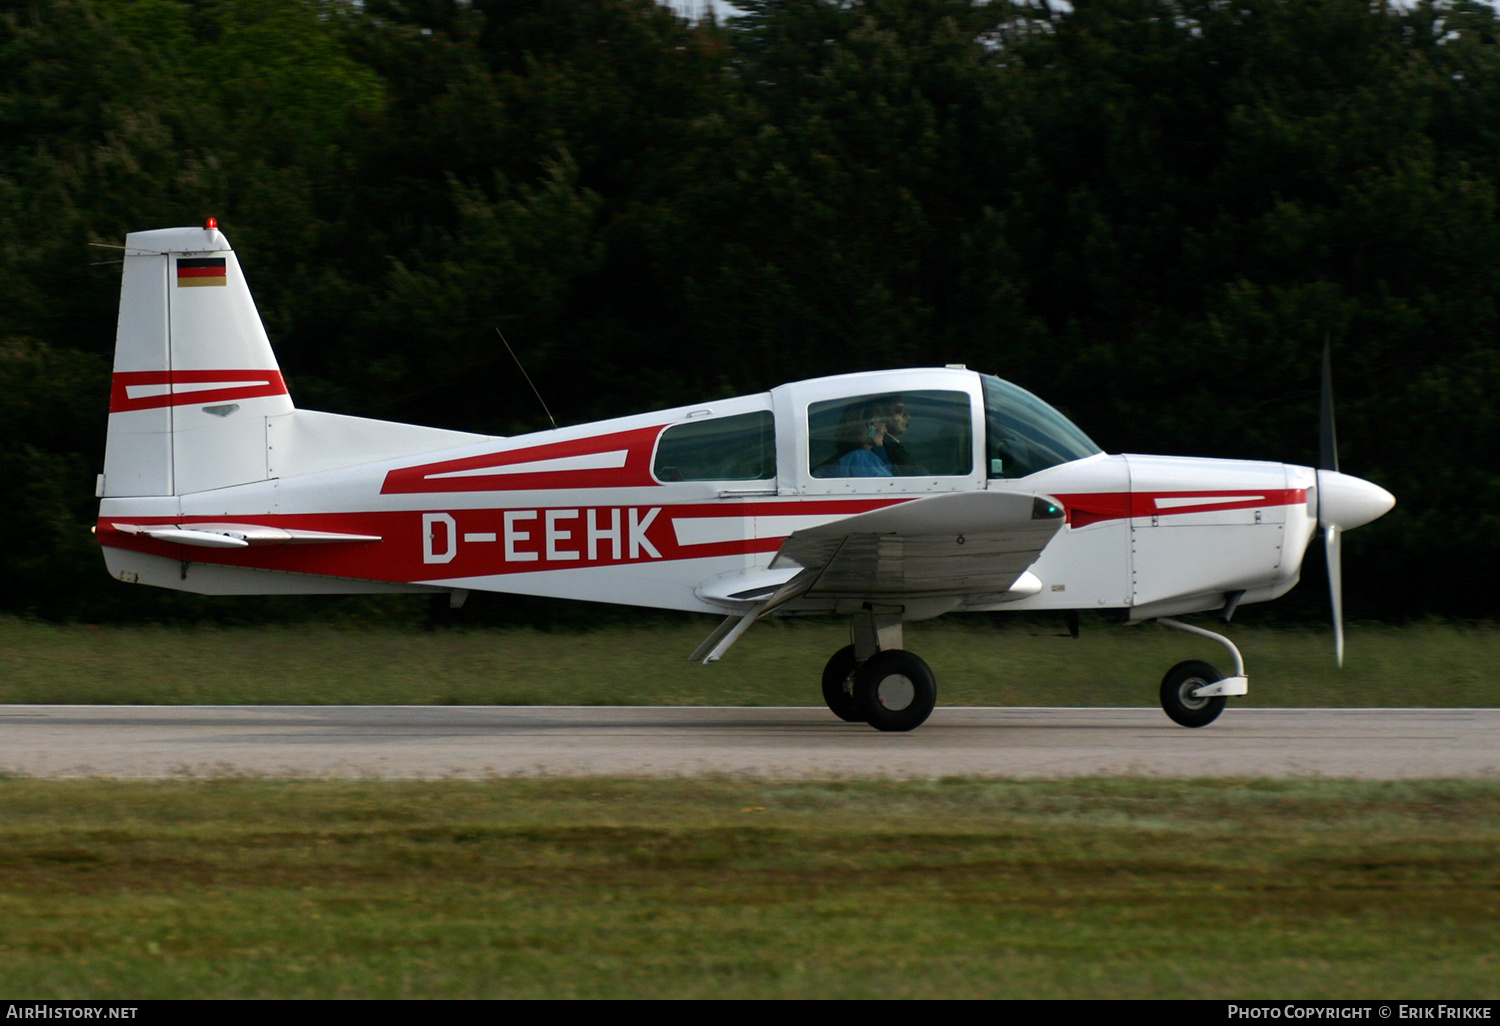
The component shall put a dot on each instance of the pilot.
(896, 422)
(861, 441)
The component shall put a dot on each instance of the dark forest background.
(1153, 213)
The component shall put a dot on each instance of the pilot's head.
(863, 425)
(897, 419)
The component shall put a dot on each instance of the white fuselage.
(584, 513)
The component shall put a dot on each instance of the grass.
(1099, 888)
(776, 663)
(742, 888)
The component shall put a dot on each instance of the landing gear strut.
(876, 681)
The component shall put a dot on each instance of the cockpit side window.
(891, 434)
(737, 448)
(1024, 434)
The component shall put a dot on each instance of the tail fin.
(194, 375)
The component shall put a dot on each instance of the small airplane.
(887, 497)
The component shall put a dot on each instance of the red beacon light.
(212, 225)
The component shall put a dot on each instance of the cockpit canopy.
(929, 433)
(935, 430)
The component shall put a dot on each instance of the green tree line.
(1153, 213)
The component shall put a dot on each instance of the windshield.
(1024, 434)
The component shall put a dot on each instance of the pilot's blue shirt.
(864, 463)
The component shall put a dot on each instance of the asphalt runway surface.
(435, 742)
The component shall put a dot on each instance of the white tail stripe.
(587, 461)
(182, 388)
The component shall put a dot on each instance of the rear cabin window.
(905, 434)
(737, 448)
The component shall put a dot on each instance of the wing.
(955, 544)
(974, 545)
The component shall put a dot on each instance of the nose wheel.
(1180, 703)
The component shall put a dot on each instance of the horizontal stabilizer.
(239, 536)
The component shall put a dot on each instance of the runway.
(431, 742)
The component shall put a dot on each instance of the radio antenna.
(516, 358)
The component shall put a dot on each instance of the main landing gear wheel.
(1177, 698)
(894, 690)
(838, 685)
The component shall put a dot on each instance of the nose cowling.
(1347, 502)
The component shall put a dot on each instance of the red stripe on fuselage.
(633, 448)
(414, 544)
(1093, 507)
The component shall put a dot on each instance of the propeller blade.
(1328, 443)
(1344, 503)
(1328, 460)
(1333, 549)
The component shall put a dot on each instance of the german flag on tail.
(201, 271)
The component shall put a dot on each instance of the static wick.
(538, 394)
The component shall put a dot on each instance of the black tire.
(838, 685)
(1176, 694)
(895, 690)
